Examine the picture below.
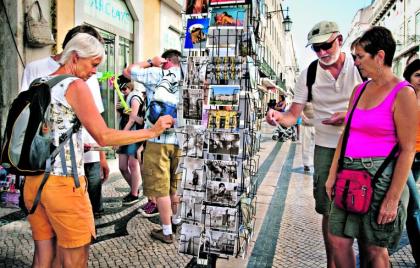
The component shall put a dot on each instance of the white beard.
(334, 58)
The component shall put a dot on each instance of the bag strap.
(41, 16)
(63, 140)
(310, 78)
(347, 129)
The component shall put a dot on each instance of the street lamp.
(287, 22)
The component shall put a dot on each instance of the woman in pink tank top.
(383, 117)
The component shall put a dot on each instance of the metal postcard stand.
(217, 130)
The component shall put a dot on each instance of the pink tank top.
(372, 131)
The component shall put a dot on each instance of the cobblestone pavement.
(289, 237)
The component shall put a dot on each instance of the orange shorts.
(64, 211)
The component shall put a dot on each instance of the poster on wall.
(226, 2)
(196, 6)
(196, 33)
(228, 17)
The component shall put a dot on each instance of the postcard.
(224, 143)
(225, 193)
(191, 140)
(228, 17)
(189, 240)
(192, 102)
(193, 173)
(196, 71)
(196, 6)
(219, 242)
(222, 218)
(196, 33)
(220, 170)
(226, 2)
(191, 205)
(220, 119)
(224, 95)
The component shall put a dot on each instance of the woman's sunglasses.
(323, 46)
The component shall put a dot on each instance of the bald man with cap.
(336, 77)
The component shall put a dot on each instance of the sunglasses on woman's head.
(323, 46)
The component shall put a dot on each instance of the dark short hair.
(414, 66)
(122, 81)
(170, 53)
(81, 29)
(221, 184)
(379, 38)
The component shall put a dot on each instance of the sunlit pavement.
(289, 237)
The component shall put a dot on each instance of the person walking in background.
(161, 155)
(412, 75)
(308, 137)
(281, 104)
(382, 119)
(62, 224)
(336, 76)
(128, 163)
(96, 166)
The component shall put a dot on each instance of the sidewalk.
(287, 231)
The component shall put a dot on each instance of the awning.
(271, 85)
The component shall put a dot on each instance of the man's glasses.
(323, 46)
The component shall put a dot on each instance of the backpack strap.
(60, 148)
(310, 78)
(57, 79)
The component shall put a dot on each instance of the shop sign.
(113, 12)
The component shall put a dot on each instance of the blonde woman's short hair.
(85, 46)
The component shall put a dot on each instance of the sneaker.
(158, 235)
(130, 199)
(150, 211)
(306, 168)
(144, 207)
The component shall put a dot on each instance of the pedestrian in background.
(335, 79)
(63, 224)
(161, 155)
(383, 118)
(308, 137)
(412, 75)
(127, 160)
(96, 166)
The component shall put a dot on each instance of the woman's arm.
(329, 184)
(405, 121)
(80, 99)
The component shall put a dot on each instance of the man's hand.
(163, 123)
(104, 167)
(158, 61)
(337, 119)
(272, 117)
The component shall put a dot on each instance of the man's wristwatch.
(149, 61)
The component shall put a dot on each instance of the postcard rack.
(216, 128)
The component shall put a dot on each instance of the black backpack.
(311, 76)
(27, 147)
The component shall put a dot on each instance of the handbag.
(353, 189)
(38, 31)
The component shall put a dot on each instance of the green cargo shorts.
(323, 157)
(365, 227)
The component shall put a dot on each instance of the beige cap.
(321, 32)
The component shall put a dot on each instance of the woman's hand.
(388, 211)
(163, 123)
(329, 185)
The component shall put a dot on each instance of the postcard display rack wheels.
(216, 130)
